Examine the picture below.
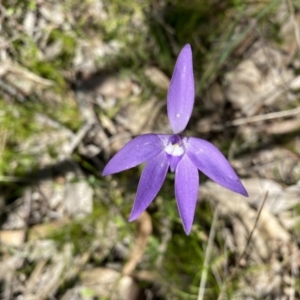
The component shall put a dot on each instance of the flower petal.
(181, 92)
(150, 183)
(135, 152)
(186, 191)
(209, 160)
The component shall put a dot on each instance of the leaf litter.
(42, 256)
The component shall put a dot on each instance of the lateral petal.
(209, 160)
(152, 179)
(181, 92)
(186, 191)
(140, 149)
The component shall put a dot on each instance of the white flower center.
(174, 150)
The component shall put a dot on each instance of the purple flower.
(184, 155)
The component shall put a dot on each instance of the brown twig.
(264, 117)
(144, 230)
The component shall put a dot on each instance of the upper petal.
(135, 152)
(186, 191)
(181, 92)
(150, 183)
(209, 160)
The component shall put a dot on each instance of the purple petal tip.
(150, 183)
(132, 218)
(243, 191)
(137, 151)
(210, 161)
(186, 191)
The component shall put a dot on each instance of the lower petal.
(150, 183)
(186, 191)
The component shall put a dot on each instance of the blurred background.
(78, 79)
